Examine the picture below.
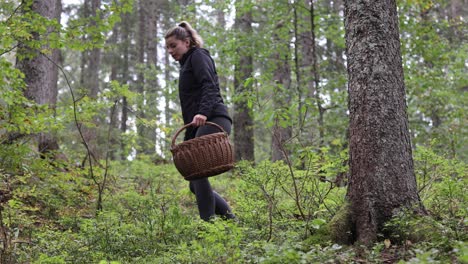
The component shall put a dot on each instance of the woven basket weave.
(204, 156)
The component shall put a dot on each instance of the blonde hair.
(183, 31)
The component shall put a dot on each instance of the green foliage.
(440, 236)
(286, 214)
(443, 188)
(86, 33)
(434, 57)
(17, 113)
(426, 238)
(150, 216)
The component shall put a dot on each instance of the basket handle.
(190, 124)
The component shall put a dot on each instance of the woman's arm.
(205, 74)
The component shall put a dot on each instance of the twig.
(293, 177)
(78, 125)
(14, 12)
(8, 50)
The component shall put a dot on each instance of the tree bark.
(153, 86)
(140, 82)
(90, 65)
(41, 74)
(114, 59)
(221, 23)
(282, 129)
(243, 116)
(167, 97)
(303, 61)
(382, 178)
(125, 78)
(309, 73)
(315, 73)
(95, 57)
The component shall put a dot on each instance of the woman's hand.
(198, 120)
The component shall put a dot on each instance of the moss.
(407, 226)
(340, 226)
(319, 237)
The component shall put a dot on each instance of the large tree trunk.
(243, 116)
(41, 74)
(382, 177)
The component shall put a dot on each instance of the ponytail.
(183, 31)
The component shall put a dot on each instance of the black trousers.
(210, 202)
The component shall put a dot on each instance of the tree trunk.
(91, 59)
(90, 65)
(282, 129)
(153, 86)
(84, 54)
(114, 59)
(315, 72)
(221, 24)
(41, 74)
(140, 82)
(95, 57)
(382, 178)
(308, 74)
(303, 61)
(125, 78)
(243, 116)
(167, 98)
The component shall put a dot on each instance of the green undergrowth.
(149, 216)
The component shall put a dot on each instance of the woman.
(201, 101)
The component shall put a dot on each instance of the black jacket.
(199, 88)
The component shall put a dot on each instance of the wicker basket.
(204, 156)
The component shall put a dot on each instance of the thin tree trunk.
(308, 75)
(297, 69)
(153, 86)
(114, 76)
(315, 73)
(90, 65)
(125, 79)
(382, 178)
(243, 116)
(140, 82)
(221, 21)
(282, 98)
(85, 53)
(167, 98)
(95, 56)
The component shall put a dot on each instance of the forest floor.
(149, 215)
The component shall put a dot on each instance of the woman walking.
(201, 101)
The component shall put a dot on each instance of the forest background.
(89, 105)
